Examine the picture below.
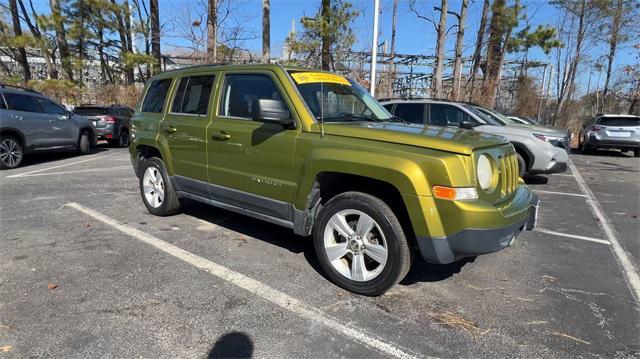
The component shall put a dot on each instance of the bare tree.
(266, 31)
(477, 54)
(212, 31)
(121, 15)
(155, 35)
(392, 56)
(41, 41)
(457, 66)
(61, 38)
(21, 52)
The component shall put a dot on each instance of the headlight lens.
(484, 172)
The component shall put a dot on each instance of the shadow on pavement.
(232, 345)
(603, 153)
(422, 271)
(32, 159)
(535, 179)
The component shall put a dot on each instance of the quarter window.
(156, 96)
(242, 92)
(410, 112)
(193, 94)
(19, 102)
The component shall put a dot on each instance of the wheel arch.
(525, 153)
(15, 133)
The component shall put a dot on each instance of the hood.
(450, 139)
(557, 132)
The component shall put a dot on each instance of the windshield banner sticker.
(312, 77)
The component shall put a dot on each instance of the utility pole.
(374, 47)
(544, 79)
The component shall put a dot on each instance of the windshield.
(91, 111)
(619, 121)
(337, 99)
(502, 119)
(485, 117)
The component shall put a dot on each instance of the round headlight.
(485, 172)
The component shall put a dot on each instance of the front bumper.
(476, 241)
(553, 160)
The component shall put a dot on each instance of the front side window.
(24, 103)
(445, 115)
(334, 98)
(410, 112)
(242, 92)
(193, 95)
(50, 107)
(156, 96)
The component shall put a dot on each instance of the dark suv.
(31, 122)
(110, 121)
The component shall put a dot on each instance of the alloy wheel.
(10, 152)
(355, 245)
(153, 186)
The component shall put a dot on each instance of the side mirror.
(271, 111)
(469, 125)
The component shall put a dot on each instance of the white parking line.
(562, 175)
(62, 165)
(629, 271)
(259, 289)
(560, 193)
(574, 236)
(78, 171)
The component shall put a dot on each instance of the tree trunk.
(121, 20)
(266, 32)
(17, 31)
(212, 31)
(392, 56)
(613, 44)
(52, 72)
(326, 37)
(457, 66)
(494, 54)
(155, 35)
(477, 54)
(61, 38)
(568, 87)
(442, 34)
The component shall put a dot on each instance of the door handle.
(221, 135)
(169, 129)
(18, 117)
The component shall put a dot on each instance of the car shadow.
(285, 238)
(232, 345)
(32, 159)
(603, 153)
(535, 179)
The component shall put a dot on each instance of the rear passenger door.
(184, 128)
(411, 112)
(27, 116)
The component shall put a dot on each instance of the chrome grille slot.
(508, 174)
(503, 177)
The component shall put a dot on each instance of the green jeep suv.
(314, 152)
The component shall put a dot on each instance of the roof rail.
(19, 88)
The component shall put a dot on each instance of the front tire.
(84, 145)
(636, 152)
(360, 244)
(158, 194)
(522, 165)
(11, 152)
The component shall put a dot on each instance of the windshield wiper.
(351, 117)
(395, 118)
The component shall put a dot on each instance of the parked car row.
(612, 132)
(31, 122)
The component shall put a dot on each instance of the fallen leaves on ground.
(457, 321)
(6, 348)
(571, 337)
(52, 286)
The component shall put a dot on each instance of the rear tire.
(123, 140)
(11, 152)
(156, 190)
(586, 149)
(381, 253)
(522, 165)
(84, 145)
(636, 152)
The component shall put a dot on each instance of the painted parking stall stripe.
(89, 170)
(560, 193)
(629, 271)
(573, 236)
(249, 284)
(62, 165)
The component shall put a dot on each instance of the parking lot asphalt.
(85, 271)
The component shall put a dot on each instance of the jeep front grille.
(508, 167)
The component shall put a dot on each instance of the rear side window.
(243, 91)
(90, 111)
(619, 121)
(193, 95)
(445, 115)
(156, 96)
(410, 112)
(50, 107)
(19, 102)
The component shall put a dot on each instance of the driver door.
(251, 163)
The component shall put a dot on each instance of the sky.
(414, 36)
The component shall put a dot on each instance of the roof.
(15, 88)
(224, 66)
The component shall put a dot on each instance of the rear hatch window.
(91, 111)
(619, 121)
